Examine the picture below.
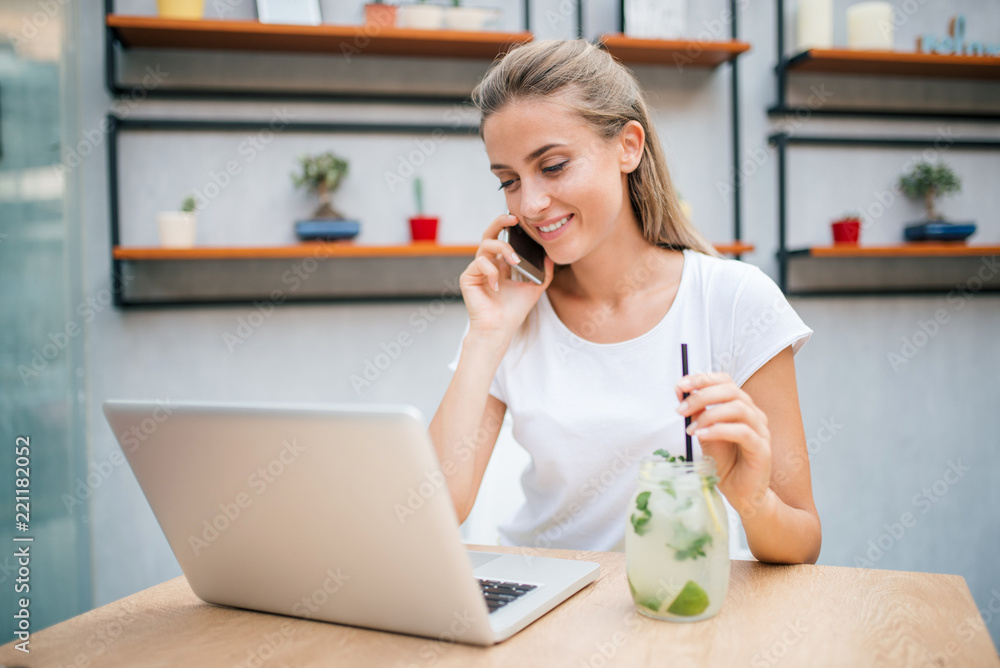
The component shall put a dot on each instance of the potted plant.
(323, 174)
(928, 181)
(422, 228)
(421, 15)
(177, 228)
(847, 228)
(181, 9)
(458, 17)
(377, 13)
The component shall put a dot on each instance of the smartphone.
(532, 264)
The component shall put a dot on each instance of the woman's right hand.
(497, 304)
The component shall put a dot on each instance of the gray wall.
(890, 433)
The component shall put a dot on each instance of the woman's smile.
(550, 231)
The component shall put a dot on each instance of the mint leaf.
(642, 500)
(639, 521)
(668, 487)
(691, 544)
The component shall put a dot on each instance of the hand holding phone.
(532, 264)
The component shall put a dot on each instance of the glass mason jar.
(677, 541)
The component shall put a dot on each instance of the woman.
(588, 363)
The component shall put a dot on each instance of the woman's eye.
(506, 184)
(555, 168)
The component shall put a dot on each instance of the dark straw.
(687, 419)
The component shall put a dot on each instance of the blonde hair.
(607, 96)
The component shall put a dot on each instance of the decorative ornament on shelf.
(815, 25)
(870, 26)
(458, 17)
(656, 19)
(380, 14)
(955, 43)
(177, 228)
(422, 228)
(847, 228)
(323, 174)
(421, 15)
(292, 12)
(192, 10)
(928, 181)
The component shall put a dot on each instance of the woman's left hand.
(733, 432)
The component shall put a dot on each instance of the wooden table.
(774, 615)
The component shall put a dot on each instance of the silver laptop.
(337, 513)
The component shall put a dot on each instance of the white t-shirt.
(587, 413)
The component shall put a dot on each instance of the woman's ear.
(633, 140)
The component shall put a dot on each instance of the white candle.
(815, 25)
(869, 26)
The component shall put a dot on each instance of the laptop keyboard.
(499, 594)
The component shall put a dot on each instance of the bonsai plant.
(422, 227)
(322, 174)
(177, 228)
(929, 181)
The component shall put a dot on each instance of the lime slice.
(711, 508)
(690, 602)
(652, 604)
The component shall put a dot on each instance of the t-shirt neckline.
(685, 270)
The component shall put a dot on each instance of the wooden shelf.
(907, 268)
(916, 249)
(895, 63)
(320, 249)
(680, 52)
(152, 32)
(297, 273)
(311, 249)
(734, 248)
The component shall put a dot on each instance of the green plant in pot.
(322, 174)
(177, 228)
(928, 181)
(422, 227)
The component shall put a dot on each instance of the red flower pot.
(423, 228)
(846, 231)
(383, 16)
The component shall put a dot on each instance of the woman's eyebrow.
(532, 156)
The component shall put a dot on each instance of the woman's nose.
(534, 199)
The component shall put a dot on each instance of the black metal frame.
(781, 108)
(116, 89)
(116, 125)
(782, 140)
(734, 113)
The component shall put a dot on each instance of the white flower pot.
(177, 228)
(427, 17)
(467, 18)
